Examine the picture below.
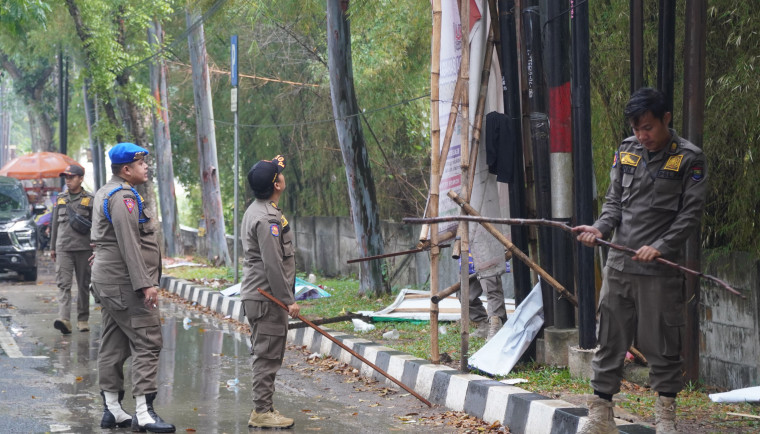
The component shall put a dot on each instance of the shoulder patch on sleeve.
(697, 172)
(615, 159)
(61, 201)
(275, 230)
(85, 201)
(130, 203)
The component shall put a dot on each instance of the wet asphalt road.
(50, 383)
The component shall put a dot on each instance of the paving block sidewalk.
(482, 397)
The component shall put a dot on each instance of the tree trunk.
(361, 186)
(163, 146)
(206, 139)
(32, 93)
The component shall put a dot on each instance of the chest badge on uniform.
(275, 230)
(85, 201)
(130, 203)
(629, 159)
(673, 163)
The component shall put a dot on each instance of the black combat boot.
(145, 418)
(113, 415)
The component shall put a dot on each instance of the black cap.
(264, 173)
(73, 169)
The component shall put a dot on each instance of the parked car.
(18, 231)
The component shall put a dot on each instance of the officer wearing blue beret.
(125, 276)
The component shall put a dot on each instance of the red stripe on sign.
(560, 134)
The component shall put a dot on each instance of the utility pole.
(234, 108)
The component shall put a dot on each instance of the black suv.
(18, 232)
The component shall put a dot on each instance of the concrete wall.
(729, 325)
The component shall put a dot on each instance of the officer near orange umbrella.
(125, 275)
(70, 249)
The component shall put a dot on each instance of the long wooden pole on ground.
(350, 351)
(464, 72)
(435, 173)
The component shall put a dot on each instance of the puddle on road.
(199, 364)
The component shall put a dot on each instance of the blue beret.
(124, 153)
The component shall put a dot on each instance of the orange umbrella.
(37, 165)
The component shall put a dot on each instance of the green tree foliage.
(732, 121)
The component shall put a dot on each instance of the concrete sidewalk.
(484, 398)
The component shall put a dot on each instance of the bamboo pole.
(566, 228)
(477, 127)
(435, 172)
(467, 209)
(444, 148)
(350, 351)
(464, 241)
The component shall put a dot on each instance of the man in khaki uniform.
(269, 264)
(70, 249)
(125, 276)
(654, 203)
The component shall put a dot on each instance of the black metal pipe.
(666, 36)
(636, 39)
(583, 168)
(511, 88)
(539, 131)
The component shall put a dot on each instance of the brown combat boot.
(83, 326)
(494, 325)
(665, 415)
(270, 419)
(601, 417)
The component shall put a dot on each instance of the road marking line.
(9, 345)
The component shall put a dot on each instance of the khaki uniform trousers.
(269, 329)
(66, 265)
(129, 328)
(494, 296)
(649, 309)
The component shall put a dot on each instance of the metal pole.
(582, 163)
(557, 56)
(511, 91)
(636, 36)
(233, 107)
(666, 51)
(539, 130)
(693, 124)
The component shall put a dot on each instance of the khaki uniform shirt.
(62, 236)
(126, 251)
(269, 262)
(655, 202)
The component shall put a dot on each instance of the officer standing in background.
(654, 203)
(269, 263)
(70, 249)
(125, 276)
